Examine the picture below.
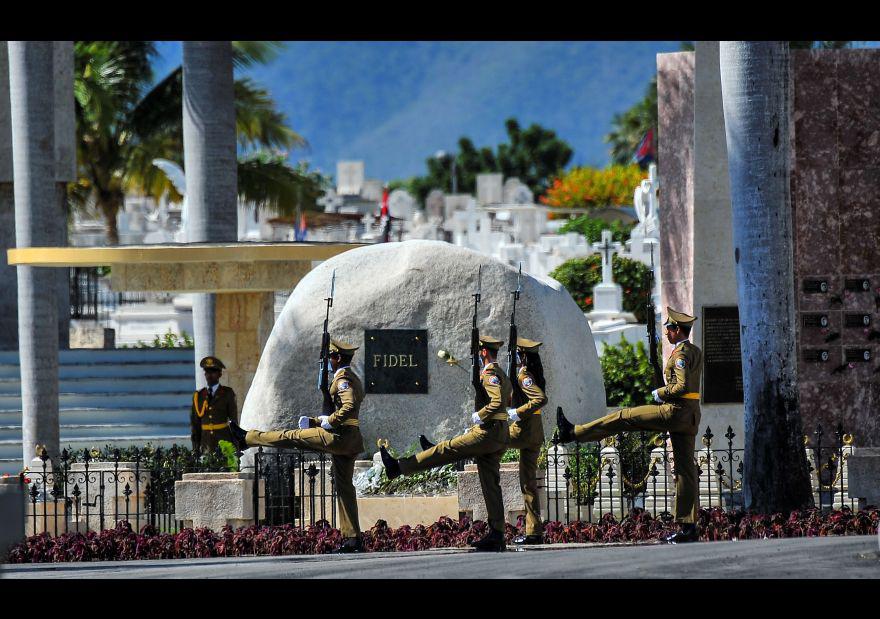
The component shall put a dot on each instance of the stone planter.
(215, 500)
(405, 509)
(864, 475)
(12, 511)
(470, 495)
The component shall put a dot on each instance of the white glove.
(511, 412)
(303, 422)
(656, 397)
(325, 422)
(475, 418)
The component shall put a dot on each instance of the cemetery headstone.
(349, 177)
(489, 188)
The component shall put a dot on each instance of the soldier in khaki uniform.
(212, 407)
(527, 434)
(486, 441)
(338, 434)
(677, 411)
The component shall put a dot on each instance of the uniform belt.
(690, 396)
(350, 422)
(214, 426)
(496, 417)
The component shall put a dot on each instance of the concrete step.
(106, 384)
(118, 355)
(130, 400)
(113, 369)
(80, 416)
(102, 431)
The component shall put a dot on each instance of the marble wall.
(836, 207)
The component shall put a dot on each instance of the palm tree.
(38, 223)
(629, 127)
(755, 92)
(124, 122)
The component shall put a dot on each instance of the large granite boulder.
(421, 285)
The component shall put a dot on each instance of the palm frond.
(270, 183)
(258, 122)
(249, 53)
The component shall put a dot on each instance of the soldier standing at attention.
(677, 411)
(212, 407)
(527, 433)
(338, 434)
(486, 441)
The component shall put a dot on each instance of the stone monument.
(424, 286)
(489, 188)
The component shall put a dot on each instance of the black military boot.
(238, 436)
(688, 532)
(350, 545)
(493, 541)
(392, 467)
(528, 540)
(565, 427)
(425, 443)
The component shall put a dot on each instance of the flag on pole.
(384, 217)
(646, 150)
(301, 230)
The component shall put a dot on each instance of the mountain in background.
(394, 104)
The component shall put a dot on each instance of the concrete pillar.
(210, 164)
(37, 217)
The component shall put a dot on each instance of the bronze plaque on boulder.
(722, 364)
(396, 361)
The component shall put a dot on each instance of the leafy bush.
(177, 457)
(580, 275)
(586, 186)
(168, 340)
(123, 544)
(511, 455)
(592, 227)
(440, 480)
(627, 374)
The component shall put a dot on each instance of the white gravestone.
(349, 178)
(434, 205)
(400, 204)
(517, 192)
(489, 188)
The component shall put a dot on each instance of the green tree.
(591, 228)
(534, 155)
(626, 370)
(124, 121)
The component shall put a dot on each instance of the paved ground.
(830, 557)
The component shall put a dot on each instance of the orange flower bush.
(585, 187)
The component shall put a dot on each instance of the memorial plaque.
(396, 361)
(815, 321)
(858, 355)
(857, 321)
(816, 355)
(857, 285)
(722, 362)
(814, 286)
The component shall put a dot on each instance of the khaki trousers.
(344, 446)
(528, 435)
(681, 421)
(485, 443)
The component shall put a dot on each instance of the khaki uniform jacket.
(207, 419)
(682, 373)
(347, 393)
(498, 389)
(529, 429)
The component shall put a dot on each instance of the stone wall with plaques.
(835, 173)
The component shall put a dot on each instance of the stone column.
(8, 277)
(211, 165)
(37, 217)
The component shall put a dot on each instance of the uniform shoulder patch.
(494, 380)
(679, 363)
(343, 385)
(528, 382)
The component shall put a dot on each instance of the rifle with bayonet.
(324, 383)
(517, 396)
(481, 398)
(653, 338)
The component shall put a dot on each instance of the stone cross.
(607, 249)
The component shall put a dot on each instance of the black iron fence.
(637, 470)
(79, 493)
(91, 297)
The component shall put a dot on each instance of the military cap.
(212, 363)
(527, 344)
(678, 318)
(342, 348)
(487, 341)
